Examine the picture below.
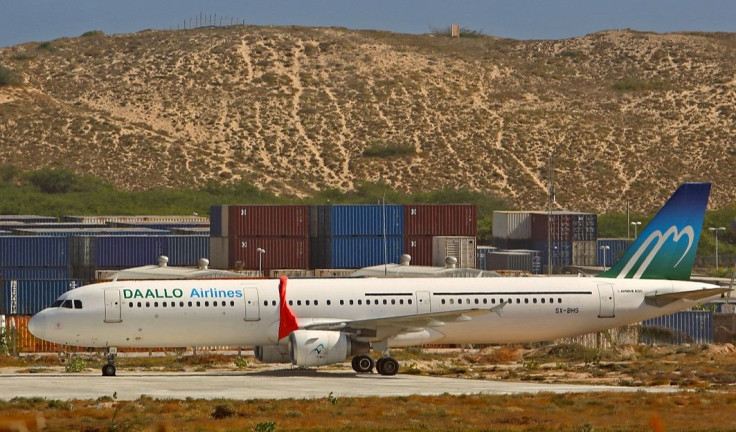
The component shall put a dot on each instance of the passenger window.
(351, 302)
(384, 301)
(401, 301)
(477, 301)
(493, 301)
(526, 300)
(409, 301)
(485, 301)
(77, 304)
(534, 300)
(559, 300)
(291, 303)
(342, 302)
(148, 304)
(207, 304)
(232, 303)
(190, 304)
(214, 304)
(265, 302)
(329, 302)
(298, 302)
(306, 302)
(316, 303)
(155, 304)
(273, 303)
(139, 304)
(163, 304)
(130, 304)
(360, 302)
(199, 304)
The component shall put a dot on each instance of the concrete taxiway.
(273, 384)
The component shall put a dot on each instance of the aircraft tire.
(387, 366)
(108, 370)
(363, 363)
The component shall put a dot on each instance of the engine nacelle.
(319, 347)
(272, 353)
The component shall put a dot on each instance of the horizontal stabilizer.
(665, 298)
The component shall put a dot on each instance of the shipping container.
(480, 255)
(219, 220)
(584, 227)
(48, 225)
(556, 228)
(348, 252)
(512, 225)
(505, 243)
(610, 251)
(27, 297)
(508, 260)
(268, 221)
(356, 220)
(11, 225)
(34, 273)
(140, 218)
(584, 253)
(220, 253)
(27, 218)
(420, 250)
(162, 226)
(462, 248)
(191, 231)
(113, 252)
(5, 233)
(441, 220)
(34, 251)
(537, 264)
(186, 250)
(280, 252)
(72, 232)
(678, 328)
(561, 252)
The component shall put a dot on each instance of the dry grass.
(574, 412)
(294, 109)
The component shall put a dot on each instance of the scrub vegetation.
(626, 115)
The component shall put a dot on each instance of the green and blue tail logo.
(666, 247)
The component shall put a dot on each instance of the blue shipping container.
(616, 249)
(75, 232)
(32, 296)
(355, 252)
(111, 252)
(27, 218)
(186, 250)
(682, 327)
(33, 251)
(357, 220)
(561, 252)
(34, 273)
(216, 220)
(480, 255)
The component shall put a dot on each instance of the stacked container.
(424, 221)
(27, 297)
(239, 232)
(679, 328)
(354, 236)
(459, 247)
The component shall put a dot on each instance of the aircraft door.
(607, 301)
(252, 310)
(423, 305)
(112, 306)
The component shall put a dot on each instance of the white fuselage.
(246, 312)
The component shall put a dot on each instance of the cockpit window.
(57, 303)
(77, 304)
(67, 304)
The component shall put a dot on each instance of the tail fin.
(665, 249)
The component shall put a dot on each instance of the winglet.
(287, 319)
(665, 249)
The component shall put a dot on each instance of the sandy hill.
(628, 115)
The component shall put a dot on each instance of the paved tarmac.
(272, 384)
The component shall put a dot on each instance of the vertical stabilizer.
(665, 249)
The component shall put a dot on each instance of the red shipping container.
(441, 220)
(280, 252)
(420, 250)
(561, 226)
(268, 221)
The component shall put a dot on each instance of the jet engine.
(272, 353)
(319, 347)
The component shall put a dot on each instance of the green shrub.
(7, 77)
(93, 33)
(76, 365)
(389, 151)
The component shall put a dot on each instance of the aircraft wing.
(667, 297)
(386, 327)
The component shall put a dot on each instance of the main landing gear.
(109, 369)
(385, 365)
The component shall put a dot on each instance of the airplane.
(327, 321)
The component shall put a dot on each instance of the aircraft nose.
(37, 325)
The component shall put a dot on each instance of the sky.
(42, 20)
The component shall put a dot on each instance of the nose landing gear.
(109, 368)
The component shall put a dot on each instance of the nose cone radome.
(37, 325)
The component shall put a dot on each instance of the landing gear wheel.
(363, 363)
(108, 370)
(387, 366)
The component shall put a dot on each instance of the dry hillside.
(628, 115)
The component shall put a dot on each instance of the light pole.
(260, 252)
(636, 228)
(715, 231)
(603, 249)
